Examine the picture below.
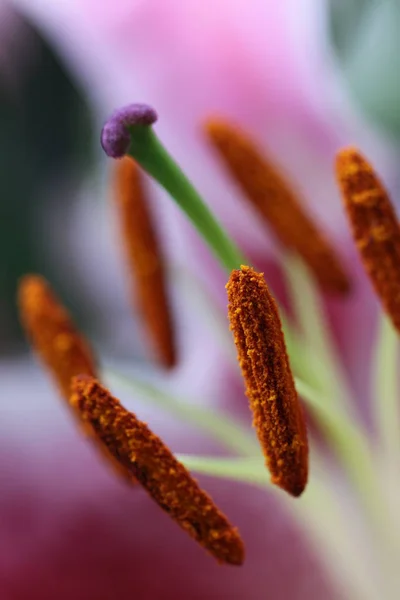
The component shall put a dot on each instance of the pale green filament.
(221, 427)
(349, 442)
(249, 470)
(324, 389)
(335, 537)
(318, 362)
(205, 307)
(386, 392)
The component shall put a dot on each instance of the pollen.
(277, 414)
(144, 259)
(272, 195)
(374, 226)
(52, 333)
(164, 478)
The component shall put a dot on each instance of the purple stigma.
(115, 135)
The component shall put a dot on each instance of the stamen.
(278, 416)
(53, 335)
(164, 478)
(375, 227)
(129, 131)
(144, 259)
(59, 344)
(272, 196)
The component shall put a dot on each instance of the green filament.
(147, 150)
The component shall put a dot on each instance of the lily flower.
(87, 534)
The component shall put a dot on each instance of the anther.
(374, 226)
(278, 204)
(164, 478)
(59, 345)
(144, 259)
(277, 414)
(52, 333)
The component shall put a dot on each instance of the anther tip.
(30, 279)
(237, 557)
(295, 487)
(211, 124)
(30, 286)
(351, 162)
(115, 135)
(215, 128)
(346, 155)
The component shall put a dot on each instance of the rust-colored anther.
(52, 333)
(374, 225)
(59, 344)
(278, 415)
(165, 479)
(278, 204)
(144, 259)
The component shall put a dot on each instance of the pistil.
(129, 131)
